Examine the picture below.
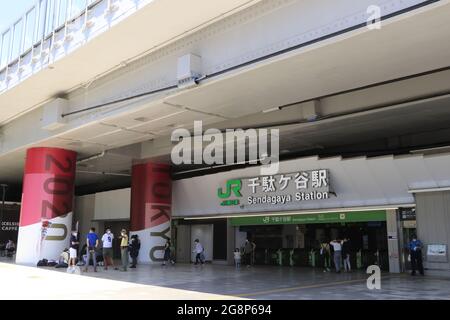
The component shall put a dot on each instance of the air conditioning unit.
(52, 116)
(189, 70)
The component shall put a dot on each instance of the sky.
(11, 10)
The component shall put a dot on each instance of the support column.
(151, 203)
(47, 199)
(231, 242)
(393, 241)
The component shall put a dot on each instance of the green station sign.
(329, 217)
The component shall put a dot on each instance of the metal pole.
(4, 186)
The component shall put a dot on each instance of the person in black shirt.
(135, 245)
(168, 253)
(74, 245)
(346, 254)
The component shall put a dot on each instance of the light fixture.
(271, 110)
(288, 213)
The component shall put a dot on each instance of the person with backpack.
(135, 245)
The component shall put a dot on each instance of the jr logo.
(233, 186)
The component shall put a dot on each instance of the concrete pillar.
(151, 203)
(393, 241)
(47, 199)
(231, 242)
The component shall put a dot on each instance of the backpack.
(42, 263)
(202, 256)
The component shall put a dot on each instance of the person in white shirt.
(64, 257)
(198, 250)
(237, 258)
(107, 241)
(337, 256)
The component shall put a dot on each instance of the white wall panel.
(380, 181)
(113, 205)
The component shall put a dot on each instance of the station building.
(92, 91)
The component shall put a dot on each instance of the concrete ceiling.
(350, 61)
(114, 47)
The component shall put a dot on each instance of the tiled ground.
(275, 282)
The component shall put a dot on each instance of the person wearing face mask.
(415, 250)
(107, 241)
(92, 244)
(124, 249)
(73, 250)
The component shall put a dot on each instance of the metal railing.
(37, 24)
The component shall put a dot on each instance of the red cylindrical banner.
(151, 203)
(47, 197)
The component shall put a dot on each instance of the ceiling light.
(272, 110)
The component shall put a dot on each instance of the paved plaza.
(184, 281)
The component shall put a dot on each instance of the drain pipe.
(97, 156)
(105, 173)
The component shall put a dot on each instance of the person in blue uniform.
(415, 250)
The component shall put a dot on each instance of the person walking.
(237, 258)
(91, 246)
(124, 249)
(324, 256)
(107, 240)
(167, 253)
(346, 247)
(337, 255)
(415, 250)
(135, 246)
(248, 251)
(253, 252)
(198, 250)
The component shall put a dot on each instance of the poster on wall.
(437, 253)
(9, 224)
